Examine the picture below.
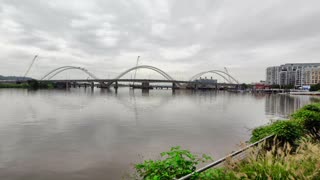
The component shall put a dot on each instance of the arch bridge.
(155, 69)
(59, 70)
(108, 82)
(220, 73)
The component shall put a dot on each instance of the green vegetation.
(288, 131)
(31, 84)
(315, 87)
(245, 86)
(173, 164)
(309, 118)
(304, 121)
(11, 85)
(278, 163)
(34, 84)
(293, 153)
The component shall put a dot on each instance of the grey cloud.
(180, 36)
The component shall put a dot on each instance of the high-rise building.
(315, 76)
(297, 74)
(272, 75)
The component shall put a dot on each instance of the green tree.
(315, 87)
(33, 84)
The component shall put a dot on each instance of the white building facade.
(297, 74)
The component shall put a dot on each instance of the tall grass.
(278, 163)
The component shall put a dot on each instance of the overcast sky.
(180, 37)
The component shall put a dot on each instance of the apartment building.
(272, 74)
(312, 75)
(297, 74)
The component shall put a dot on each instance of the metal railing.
(218, 162)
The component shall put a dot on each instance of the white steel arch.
(218, 72)
(155, 69)
(59, 70)
(196, 77)
(52, 71)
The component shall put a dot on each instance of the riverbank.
(293, 153)
(13, 85)
(30, 84)
(317, 93)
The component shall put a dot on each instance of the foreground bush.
(175, 163)
(304, 121)
(309, 118)
(285, 131)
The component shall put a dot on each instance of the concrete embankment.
(306, 93)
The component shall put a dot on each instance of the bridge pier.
(67, 85)
(116, 86)
(195, 86)
(145, 85)
(92, 85)
(174, 87)
(103, 85)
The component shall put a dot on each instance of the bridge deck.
(129, 80)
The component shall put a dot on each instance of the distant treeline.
(13, 78)
(30, 84)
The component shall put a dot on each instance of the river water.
(84, 134)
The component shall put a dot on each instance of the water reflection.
(284, 105)
(85, 134)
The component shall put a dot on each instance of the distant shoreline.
(305, 93)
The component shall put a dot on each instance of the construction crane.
(135, 72)
(33, 60)
(227, 73)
